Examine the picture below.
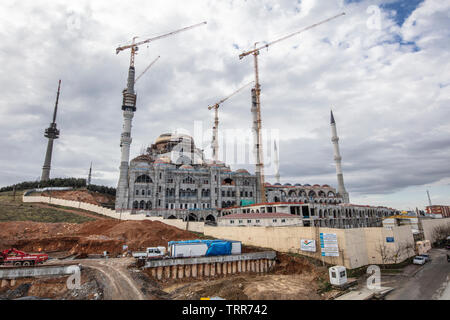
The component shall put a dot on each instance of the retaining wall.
(357, 247)
(201, 267)
(26, 272)
(178, 223)
(429, 224)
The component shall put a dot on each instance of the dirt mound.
(90, 237)
(81, 195)
(287, 264)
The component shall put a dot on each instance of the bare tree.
(403, 249)
(440, 234)
(383, 251)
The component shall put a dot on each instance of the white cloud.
(390, 99)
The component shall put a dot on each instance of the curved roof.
(325, 186)
(186, 167)
(316, 185)
(143, 157)
(242, 171)
(277, 184)
(288, 184)
(307, 185)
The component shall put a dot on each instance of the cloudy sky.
(384, 68)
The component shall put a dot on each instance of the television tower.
(89, 176)
(337, 159)
(51, 133)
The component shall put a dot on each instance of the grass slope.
(16, 210)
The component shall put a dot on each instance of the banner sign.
(329, 245)
(308, 245)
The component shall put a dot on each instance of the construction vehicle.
(19, 258)
(215, 143)
(256, 108)
(190, 248)
(201, 248)
(150, 253)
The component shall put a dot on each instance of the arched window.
(148, 205)
(188, 180)
(228, 182)
(143, 179)
(312, 194)
(142, 204)
(136, 205)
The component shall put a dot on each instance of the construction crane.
(256, 93)
(215, 143)
(146, 69)
(135, 46)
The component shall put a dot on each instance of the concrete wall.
(357, 247)
(429, 224)
(178, 223)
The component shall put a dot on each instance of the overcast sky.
(384, 68)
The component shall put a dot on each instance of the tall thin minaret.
(337, 159)
(277, 164)
(51, 133)
(90, 175)
(128, 107)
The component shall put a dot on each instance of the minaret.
(51, 133)
(337, 159)
(277, 164)
(128, 107)
(89, 176)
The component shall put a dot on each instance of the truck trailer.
(200, 248)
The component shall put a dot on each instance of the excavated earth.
(81, 195)
(88, 238)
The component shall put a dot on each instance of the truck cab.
(155, 252)
(150, 253)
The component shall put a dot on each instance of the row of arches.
(142, 205)
(309, 194)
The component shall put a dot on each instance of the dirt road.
(117, 281)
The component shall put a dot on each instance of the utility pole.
(51, 133)
(256, 104)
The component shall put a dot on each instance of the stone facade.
(173, 180)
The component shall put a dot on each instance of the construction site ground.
(118, 278)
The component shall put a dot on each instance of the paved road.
(431, 282)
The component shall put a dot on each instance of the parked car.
(426, 256)
(448, 258)
(419, 260)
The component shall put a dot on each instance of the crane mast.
(215, 137)
(256, 92)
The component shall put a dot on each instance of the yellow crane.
(146, 69)
(135, 46)
(256, 98)
(215, 137)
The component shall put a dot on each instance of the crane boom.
(146, 69)
(133, 45)
(226, 98)
(290, 35)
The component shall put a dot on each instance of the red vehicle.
(20, 258)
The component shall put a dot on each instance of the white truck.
(150, 253)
